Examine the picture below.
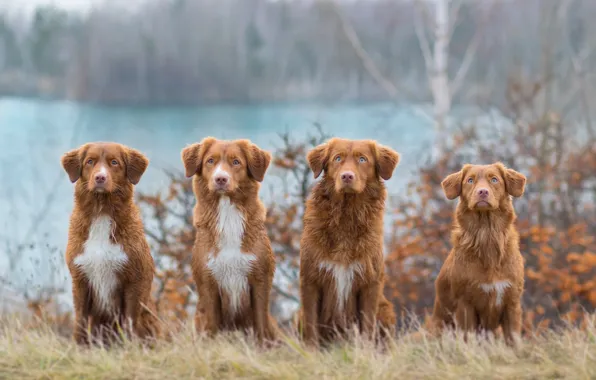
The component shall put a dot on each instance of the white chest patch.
(344, 279)
(230, 266)
(101, 260)
(498, 287)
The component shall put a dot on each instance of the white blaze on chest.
(101, 261)
(498, 287)
(230, 266)
(344, 277)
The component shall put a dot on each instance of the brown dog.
(481, 282)
(341, 256)
(107, 254)
(233, 263)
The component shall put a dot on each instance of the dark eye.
(337, 158)
(90, 162)
(210, 161)
(236, 162)
(114, 162)
(470, 180)
(494, 180)
(362, 159)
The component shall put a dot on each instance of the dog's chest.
(496, 289)
(230, 266)
(101, 261)
(344, 277)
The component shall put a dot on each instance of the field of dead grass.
(38, 353)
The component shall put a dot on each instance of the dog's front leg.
(310, 295)
(133, 307)
(81, 293)
(260, 292)
(466, 318)
(512, 322)
(368, 304)
(209, 302)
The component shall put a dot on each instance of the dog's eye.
(210, 161)
(337, 158)
(235, 162)
(470, 180)
(90, 162)
(494, 180)
(114, 162)
(362, 159)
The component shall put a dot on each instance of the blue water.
(36, 195)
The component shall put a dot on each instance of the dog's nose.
(347, 177)
(100, 178)
(221, 180)
(483, 193)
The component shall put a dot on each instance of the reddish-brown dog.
(107, 254)
(233, 263)
(341, 256)
(481, 282)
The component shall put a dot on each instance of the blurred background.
(444, 82)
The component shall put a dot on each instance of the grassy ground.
(27, 353)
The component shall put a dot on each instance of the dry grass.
(38, 353)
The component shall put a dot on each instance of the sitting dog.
(107, 254)
(341, 255)
(232, 263)
(481, 282)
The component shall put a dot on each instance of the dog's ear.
(257, 160)
(452, 185)
(72, 163)
(192, 156)
(515, 182)
(317, 158)
(387, 159)
(136, 164)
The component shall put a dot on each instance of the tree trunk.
(439, 76)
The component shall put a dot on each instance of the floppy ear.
(190, 159)
(136, 164)
(317, 159)
(387, 160)
(515, 182)
(258, 161)
(452, 185)
(71, 162)
(192, 156)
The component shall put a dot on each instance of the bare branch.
(466, 63)
(285, 294)
(423, 41)
(453, 16)
(367, 61)
(470, 53)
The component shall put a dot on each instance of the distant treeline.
(199, 51)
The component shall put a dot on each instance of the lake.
(36, 195)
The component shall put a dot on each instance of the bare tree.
(441, 19)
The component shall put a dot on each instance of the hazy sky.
(82, 5)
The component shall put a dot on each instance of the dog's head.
(226, 166)
(484, 187)
(104, 167)
(352, 164)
